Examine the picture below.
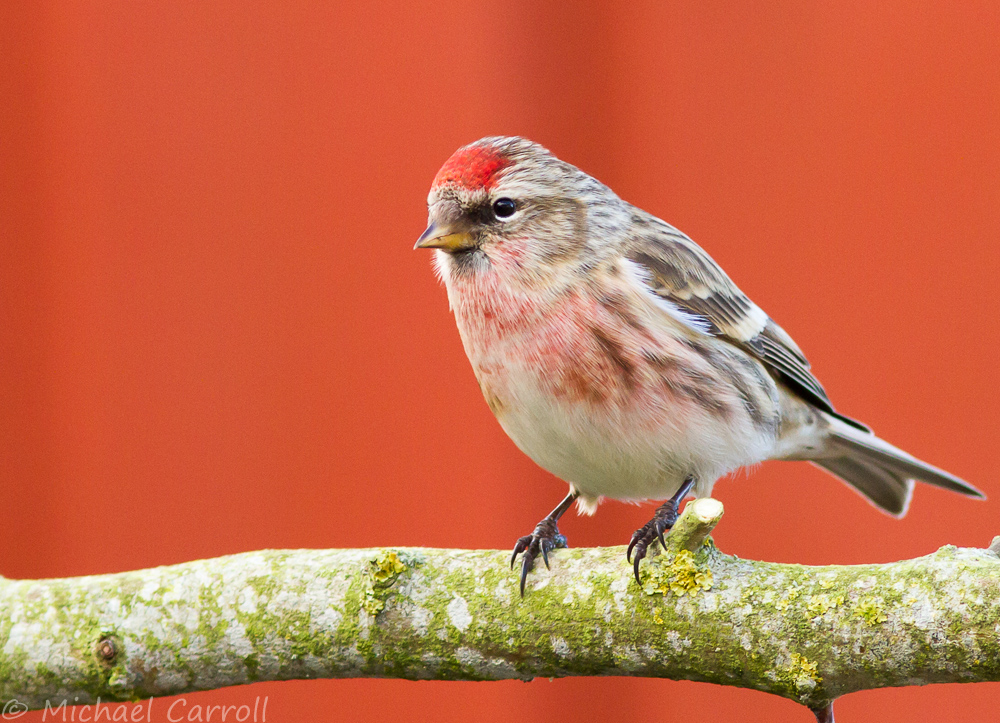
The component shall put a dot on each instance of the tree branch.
(810, 634)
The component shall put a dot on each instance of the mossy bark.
(806, 633)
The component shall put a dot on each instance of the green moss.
(252, 662)
(212, 624)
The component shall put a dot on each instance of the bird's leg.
(545, 537)
(663, 519)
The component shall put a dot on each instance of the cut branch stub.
(695, 524)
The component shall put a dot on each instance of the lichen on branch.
(810, 634)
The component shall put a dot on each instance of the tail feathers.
(885, 490)
(883, 473)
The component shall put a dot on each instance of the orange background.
(216, 338)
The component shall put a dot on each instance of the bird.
(620, 357)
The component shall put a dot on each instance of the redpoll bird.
(619, 356)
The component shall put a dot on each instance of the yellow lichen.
(803, 670)
(386, 566)
(682, 576)
(372, 604)
(870, 610)
(820, 604)
(657, 617)
(383, 570)
(791, 595)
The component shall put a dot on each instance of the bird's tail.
(883, 474)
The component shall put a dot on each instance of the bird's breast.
(602, 347)
(557, 343)
(600, 390)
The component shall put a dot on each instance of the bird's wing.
(697, 291)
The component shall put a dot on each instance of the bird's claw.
(664, 518)
(546, 537)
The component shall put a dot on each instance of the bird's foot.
(546, 537)
(663, 519)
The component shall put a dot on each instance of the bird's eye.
(504, 207)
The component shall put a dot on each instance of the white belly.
(609, 452)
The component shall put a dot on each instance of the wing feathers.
(681, 273)
(769, 350)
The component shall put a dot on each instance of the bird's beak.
(445, 238)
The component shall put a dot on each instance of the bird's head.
(507, 202)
